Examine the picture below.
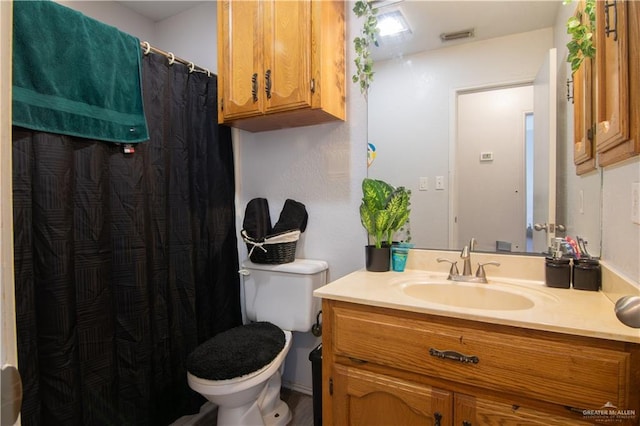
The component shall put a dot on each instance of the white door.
(544, 147)
(490, 167)
(11, 390)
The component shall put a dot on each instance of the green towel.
(74, 75)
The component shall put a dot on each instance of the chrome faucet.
(465, 255)
(466, 276)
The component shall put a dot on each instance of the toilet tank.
(283, 294)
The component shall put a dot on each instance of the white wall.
(424, 84)
(191, 35)
(114, 14)
(620, 236)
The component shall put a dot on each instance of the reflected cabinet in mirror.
(480, 128)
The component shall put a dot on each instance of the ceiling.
(488, 19)
(157, 10)
(427, 19)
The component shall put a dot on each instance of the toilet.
(240, 369)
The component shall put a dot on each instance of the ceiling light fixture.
(392, 25)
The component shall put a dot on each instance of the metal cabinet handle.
(607, 26)
(267, 83)
(254, 87)
(438, 417)
(570, 90)
(455, 356)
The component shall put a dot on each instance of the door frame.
(8, 345)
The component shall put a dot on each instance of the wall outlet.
(439, 183)
(635, 202)
(424, 184)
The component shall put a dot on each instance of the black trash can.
(315, 356)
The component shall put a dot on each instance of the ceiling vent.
(457, 35)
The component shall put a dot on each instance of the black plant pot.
(377, 259)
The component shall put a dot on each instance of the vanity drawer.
(567, 372)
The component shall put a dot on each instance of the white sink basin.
(492, 296)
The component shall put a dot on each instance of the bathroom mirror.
(431, 129)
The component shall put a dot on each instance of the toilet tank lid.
(298, 266)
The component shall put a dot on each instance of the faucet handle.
(454, 266)
(480, 272)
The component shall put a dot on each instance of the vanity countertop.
(569, 311)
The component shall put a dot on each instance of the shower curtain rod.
(147, 48)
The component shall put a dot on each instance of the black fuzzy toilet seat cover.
(236, 352)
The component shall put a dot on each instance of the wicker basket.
(275, 249)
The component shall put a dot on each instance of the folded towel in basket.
(293, 216)
(257, 221)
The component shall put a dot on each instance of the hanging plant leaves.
(362, 44)
(581, 28)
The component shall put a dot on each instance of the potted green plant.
(384, 210)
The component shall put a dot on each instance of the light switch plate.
(424, 184)
(439, 182)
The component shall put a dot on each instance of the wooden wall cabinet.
(607, 90)
(281, 63)
(384, 366)
(584, 155)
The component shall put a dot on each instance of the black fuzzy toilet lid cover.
(237, 351)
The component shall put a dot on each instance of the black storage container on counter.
(557, 272)
(586, 274)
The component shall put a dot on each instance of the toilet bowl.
(240, 370)
(251, 399)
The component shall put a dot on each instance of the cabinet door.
(287, 55)
(583, 146)
(612, 74)
(369, 399)
(240, 82)
(477, 411)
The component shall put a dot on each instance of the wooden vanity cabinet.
(369, 398)
(477, 410)
(427, 369)
(281, 63)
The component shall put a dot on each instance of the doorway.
(490, 168)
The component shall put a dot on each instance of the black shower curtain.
(124, 263)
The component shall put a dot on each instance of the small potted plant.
(383, 211)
